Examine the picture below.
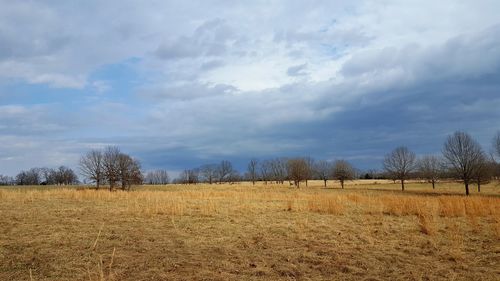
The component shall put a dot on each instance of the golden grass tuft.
(456, 241)
(290, 205)
(325, 204)
(426, 224)
(451, 207)
(496, 227)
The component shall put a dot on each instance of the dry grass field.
(368, 231)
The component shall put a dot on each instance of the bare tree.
(189, 176)
(323, 170)
(298, 170)
(429, 168)
(342, 171)
(6, 180)
(399, 164)
(266, 171)
(463, 155)
(111, 165)
(135, 177)
(208, 173)
(310, 168)
(371, 174)
(157, 177)
(496, 144)
(29, 177)
(125, 163)
(496, 152)
(278, 168)
(129, 171)
(233, 177)
(485, 171)
(65, 176)
(252, 170)
(47, 176)
(92, 166)
(224, 169)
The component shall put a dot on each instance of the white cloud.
(63, 43)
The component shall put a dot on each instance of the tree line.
(278, 170)
(108, 166)
(42, 176)
(462, 158)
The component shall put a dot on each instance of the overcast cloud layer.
(186, 83)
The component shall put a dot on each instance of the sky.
(178, 84)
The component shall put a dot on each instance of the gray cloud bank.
(217, 80)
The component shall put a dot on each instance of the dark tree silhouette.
(252, 169)
(224, 170)
(342, 171)
(157, 177)
(464, 155)
(430, 168)
(111, 166)
(485, 170)
(208, 173)
(399, 164)
(496, 144)
(298, 170)
(92, 166)
(323, 170)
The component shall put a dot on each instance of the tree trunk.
(306, 183)
(403, 185)
(253, 182)
(112, 185)
(97, 184)
(478, 185)
(433, 184)
(342, 183)
(467, 188)
(325, 182)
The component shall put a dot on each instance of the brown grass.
(426, 223)
(325, 204)
(273, 232)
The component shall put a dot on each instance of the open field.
(368, 231)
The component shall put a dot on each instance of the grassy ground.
(368, 231)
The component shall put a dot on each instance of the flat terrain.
(368, 231)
